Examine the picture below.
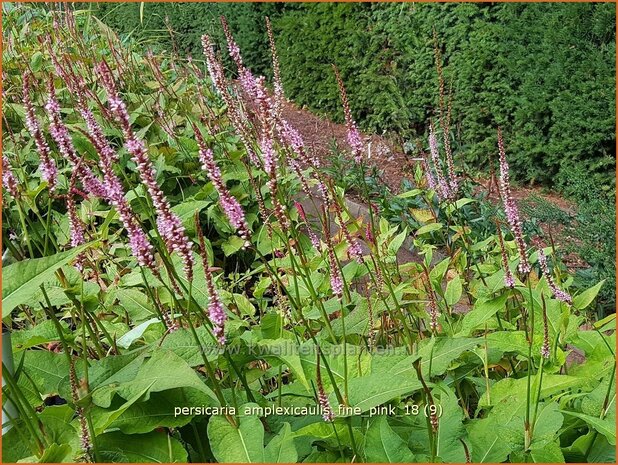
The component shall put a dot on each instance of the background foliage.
(545, 72)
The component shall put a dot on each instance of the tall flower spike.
(277, 84)
(556, 291)
(327, 410)
(336, 282)
(9, 181)
(215, 70)
(49, 171)
(168, 223)
(216, 312)
(138, 241)
(76, 227)
(270, 166)
(545, 348)
(510, 208)
(442, 186)
(61, 136)
(354, 137)
(229, 204)
(509, 280)
(432, 306)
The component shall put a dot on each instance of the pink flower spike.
(49, 171)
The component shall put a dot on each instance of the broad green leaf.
(605, 427)
(428, 228)
(483, 310)
(370, 391)
(383, 445)
(450, 426)
(154, 447)
(48, 370)
(237, 444)
(166, 369)
(134, 334)
(453, 291)
(281, 448)
(410, 193)
(22, 279)
(232, 245)
(287, 352)
(584, 299)
(186, 212)
(135, 302)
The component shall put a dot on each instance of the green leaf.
(232, 245)
(154, 447)
(281, 448)
(242, 444)
(584, 299)
(383, 445)
(166, 369)
(450, 426)
(428, 228)
(135, 333)
(370, 391)
(411, 193)
(186, 212)
(135, 302)
(605, 427)
(287, 352)
(47, 370)
(483, 310)
(453, 291)
(22, 279)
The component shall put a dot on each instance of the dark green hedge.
(545, 72)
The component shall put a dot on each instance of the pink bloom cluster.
(327, 411)
(168, 223)
(336, 282)
(61, 136)
(446, 188)
(140, 246)
(230, 205)
(9, 181)
(216, 311)
(49, 171)
(353, 135)
(510, 208)
(558, 293)
(215, 69)
(509, 280)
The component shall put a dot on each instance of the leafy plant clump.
(184, 281)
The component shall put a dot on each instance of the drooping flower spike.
(353, 134)
(323, 402)
(509, 280)
(232, 208)
(49, 170)
(216, 312)
(215, 70)
(9, 181)
(168, 223)
(138, 241)
(61, 136)
(556, 291)
(510, 208)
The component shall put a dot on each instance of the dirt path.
(319, 134)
